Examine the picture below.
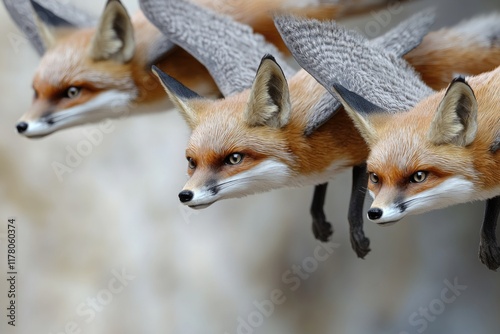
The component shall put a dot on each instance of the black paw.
(322, 230)
(360, 243)
(490, 255)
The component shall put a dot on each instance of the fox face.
(80, 91)
(430, 157)
(239, 167)
(408, 176)
(84, 76)
(229, 153)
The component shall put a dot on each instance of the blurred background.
(117, 219)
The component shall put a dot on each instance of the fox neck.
(334, 146)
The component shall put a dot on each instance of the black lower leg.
(359, 242)
(489, 252)
(321, 228)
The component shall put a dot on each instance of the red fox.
(444, 151)
(87, 75)
(254, 141)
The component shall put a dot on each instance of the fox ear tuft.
(114, 37)
(47, 23)
(269, 103)
(455, 121)
(359, 110)
(179, 95)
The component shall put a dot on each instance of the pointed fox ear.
(49, 24)
(359, 109)
(114, 37)
(269, 102)
(455, 121)
(179, 95)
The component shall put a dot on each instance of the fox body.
(445, 151)
(89, 74)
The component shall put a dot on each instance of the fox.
(90, 74)
(444, 151)
(254, 141)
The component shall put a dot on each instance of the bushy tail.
(259, 13)
(469, 48)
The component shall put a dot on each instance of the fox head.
(419, 160)
(238, 145)
(83, 76)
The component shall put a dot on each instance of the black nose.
(375, 213)
(186, 196)
(21, 127)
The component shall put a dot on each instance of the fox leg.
(322, 229)
(489, 252)
(359, 242)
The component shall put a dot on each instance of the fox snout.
(386, 216)
(37, 128)
(39, 120)
(198, 199)
(199, 192)
(389, 206)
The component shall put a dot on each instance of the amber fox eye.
(419, 177)
(373, 178)
(233, 159)
(72, 92)
(191, 163)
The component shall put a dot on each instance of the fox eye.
(191, 163)
(419, 177)
(72, 92)
(233, 159)
(373, 178)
